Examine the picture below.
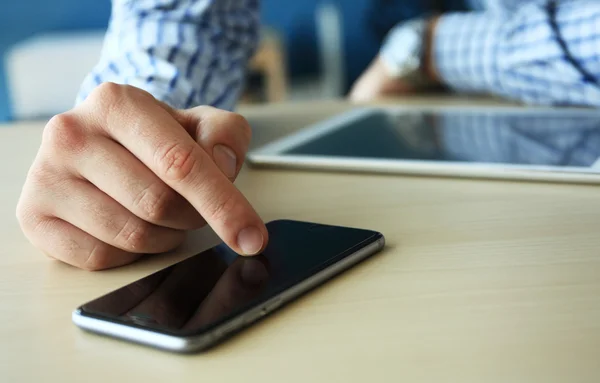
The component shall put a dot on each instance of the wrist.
(408, 54)
(429, 67)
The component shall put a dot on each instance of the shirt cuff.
(466, 51)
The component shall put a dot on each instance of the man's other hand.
(375, 84)
(123, 175)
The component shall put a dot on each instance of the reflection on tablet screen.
(519, 139)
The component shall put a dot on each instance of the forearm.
(184, 52)
(520, 56)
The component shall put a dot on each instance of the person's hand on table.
(123, 175)
(377, 82)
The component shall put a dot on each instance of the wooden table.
(482, 281)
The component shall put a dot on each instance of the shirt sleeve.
(184, 52)
(535, 53)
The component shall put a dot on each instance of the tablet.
(509, 143)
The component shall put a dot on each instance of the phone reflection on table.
(190, 295)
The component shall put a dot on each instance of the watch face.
(401, 52)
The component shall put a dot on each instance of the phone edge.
(203, 341)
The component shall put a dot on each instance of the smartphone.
(196, 303)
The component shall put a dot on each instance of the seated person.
(536, 51)
(150, 150)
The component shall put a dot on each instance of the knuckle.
(63, 133)
(109, 97)
(133, 236)
(113, 94)
(98, 258)
(29, 213)
(29, 220)
(240, 122)
(176, 162)
(218, 209)
(23, 214)
(155, 205)
(41, 175)
(108, 91)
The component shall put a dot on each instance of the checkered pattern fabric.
(184, 52)
(523, 50)
(191, 52)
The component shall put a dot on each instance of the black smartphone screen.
(209, 288)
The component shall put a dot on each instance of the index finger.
(135, 119)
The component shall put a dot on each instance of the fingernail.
(254, 273)
(225, 159)
(250, 241)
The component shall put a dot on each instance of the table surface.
(481, 281)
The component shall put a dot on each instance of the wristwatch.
(403, 53)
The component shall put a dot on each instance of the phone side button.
(262, 311)
(251, 317)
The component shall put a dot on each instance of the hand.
(375, 83)
(123, 175)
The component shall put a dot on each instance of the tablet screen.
(548, 139)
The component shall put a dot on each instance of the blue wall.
(296, 20)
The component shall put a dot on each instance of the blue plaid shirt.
(184, 52)
(192, 52)
(524, 50)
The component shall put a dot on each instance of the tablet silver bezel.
(273, 154)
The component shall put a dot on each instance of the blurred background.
(311, 49)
